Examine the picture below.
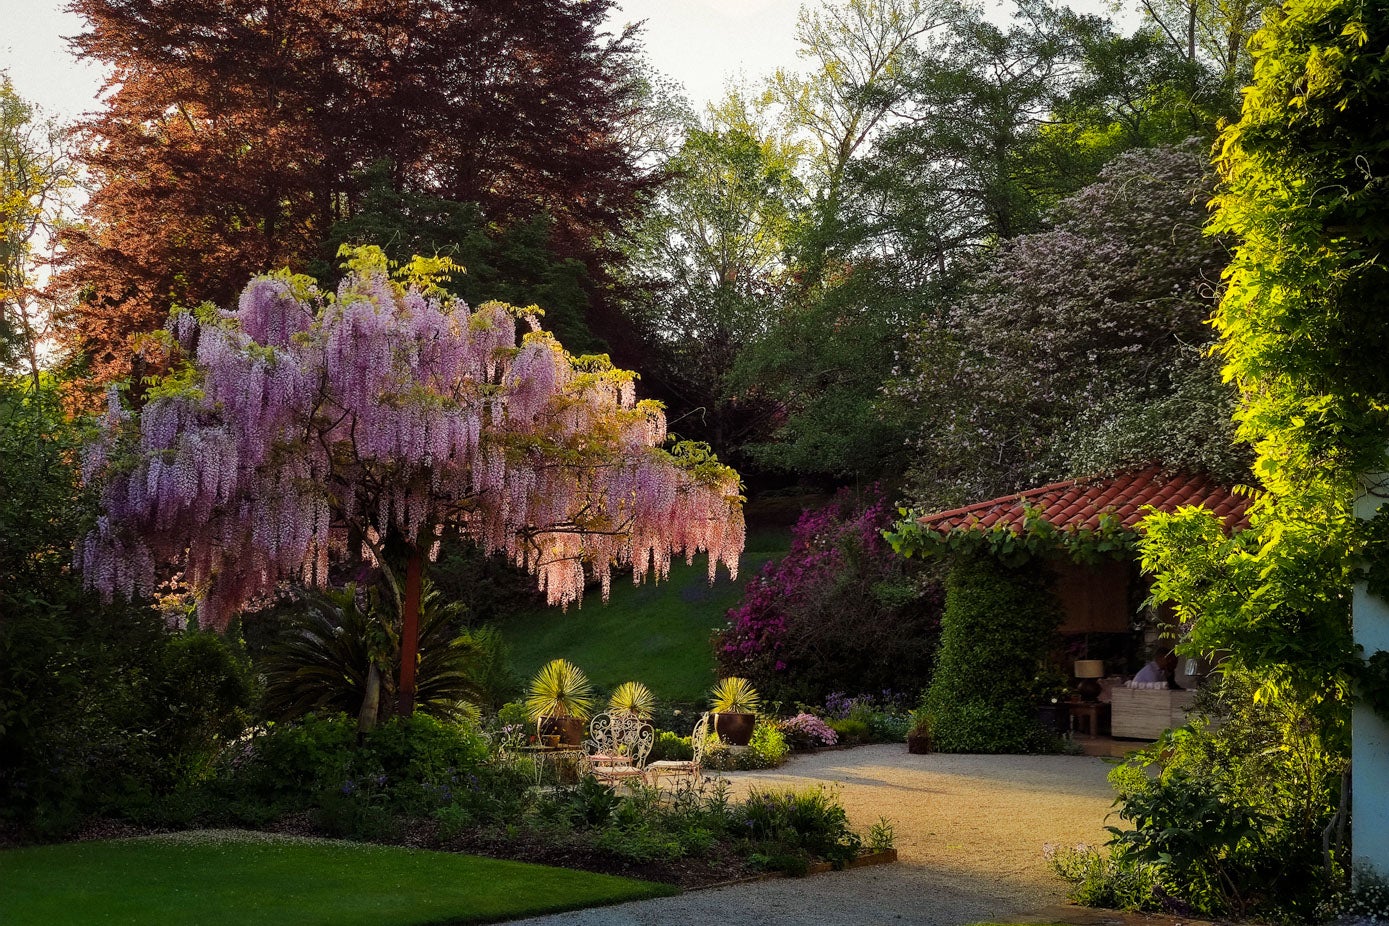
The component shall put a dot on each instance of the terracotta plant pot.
(570, 730)
(735, 729)
(918, 744)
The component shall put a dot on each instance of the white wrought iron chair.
(693, 767)
(617, 747)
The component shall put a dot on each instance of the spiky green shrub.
(560, 689)
(734, 695)
(633, 698)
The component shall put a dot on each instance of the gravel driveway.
(970, 832)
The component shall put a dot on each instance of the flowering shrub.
(839, 611)
(806, 730)
(303, 416)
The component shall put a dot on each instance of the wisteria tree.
(304, 426)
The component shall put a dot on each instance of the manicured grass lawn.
(213, 877)
(655, 634)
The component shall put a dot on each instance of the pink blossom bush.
(806, 730)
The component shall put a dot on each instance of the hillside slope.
(656, 634)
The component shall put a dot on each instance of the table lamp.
(1089, 671)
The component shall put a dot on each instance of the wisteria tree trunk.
(410, 632)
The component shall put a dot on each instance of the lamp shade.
(1089, 668)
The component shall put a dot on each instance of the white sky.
(700, 43)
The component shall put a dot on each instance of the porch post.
(1369, 731)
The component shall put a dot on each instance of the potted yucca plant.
(633, 698)
(734, 703)
(561, 699)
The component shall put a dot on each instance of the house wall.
(1369, 747)
(1094, 598)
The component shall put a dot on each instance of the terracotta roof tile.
(1078, 503)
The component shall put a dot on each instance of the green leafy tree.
(513, 263)
(102, 708)
(1304, 329)
(859, 52)
(710, 254)
(1212, 34)
(36, 185)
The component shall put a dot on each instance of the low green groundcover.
(215, 876)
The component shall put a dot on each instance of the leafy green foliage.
(1228, 817)
(406, 766)
(1303, 335)
(767, 749)
(804, 824)
(671, 747)
(999, 624)
(516, 263)
(708, 258)
(102, 708)
(37, 180)
(1038, 538)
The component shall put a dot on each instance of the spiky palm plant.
(560, 689)
(633, 698)
(321, 659)
(734, 695)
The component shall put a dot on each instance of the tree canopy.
(403, 415)
(235, 134)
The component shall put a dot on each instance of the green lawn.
(656, 634)
(227, 877)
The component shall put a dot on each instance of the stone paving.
(970, 834)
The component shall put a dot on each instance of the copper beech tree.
(235, 133)
(305, 426)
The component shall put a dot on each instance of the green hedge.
(999, 623)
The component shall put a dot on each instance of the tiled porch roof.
(1078, 503)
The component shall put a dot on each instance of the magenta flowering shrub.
(806, 730)
(840, 612)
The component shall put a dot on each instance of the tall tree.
(1210, 34)
(859, 52)
(36, 181)
(303, 424)
(1080, 348)
(235, 132)
(711, 252)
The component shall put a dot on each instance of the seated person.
(1160, 669)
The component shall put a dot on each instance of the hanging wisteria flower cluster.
(399, 412)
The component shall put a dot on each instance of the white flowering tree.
(305, 426)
